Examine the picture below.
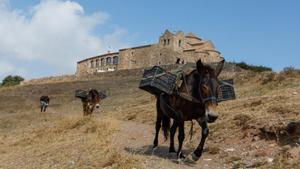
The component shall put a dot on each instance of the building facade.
(171, 48)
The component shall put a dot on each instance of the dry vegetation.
(251, 131)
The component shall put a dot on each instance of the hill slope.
(250, 132)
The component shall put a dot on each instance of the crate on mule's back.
(226, 91)
(82, 94)
(156, 80)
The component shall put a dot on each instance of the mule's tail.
(165, 119)
(166, 126)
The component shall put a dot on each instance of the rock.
(207, 159)
(229, 149)
(269, 160)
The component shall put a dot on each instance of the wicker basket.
(156, 80)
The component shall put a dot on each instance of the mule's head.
(94, 99)
(209, 85)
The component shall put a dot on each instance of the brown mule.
(91, 102)
(202, 86)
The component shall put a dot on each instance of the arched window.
(108, 61)
(97, 63)
(168, 41)
(92, 64)
(102, 62)
(115, 60)
(179, 43)
(165, 41)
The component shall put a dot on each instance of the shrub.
(12, 80)
(290, 70)
(254, 68)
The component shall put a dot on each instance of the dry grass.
(248, 131)
(70, 142)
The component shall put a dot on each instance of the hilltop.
(251, 131)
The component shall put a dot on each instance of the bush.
(254, 68)
(290, 70)
(12, 80)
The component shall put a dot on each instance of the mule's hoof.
(153, 150)
(182, 156)
(189, 160)
(195, 157)
(172, 151)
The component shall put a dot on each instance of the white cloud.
(55, 33)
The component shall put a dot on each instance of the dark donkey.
(44, 102)
(201, 88)
(91, 102)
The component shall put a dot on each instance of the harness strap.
(189, 97)
(170, 107)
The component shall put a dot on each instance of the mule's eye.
(204, 87)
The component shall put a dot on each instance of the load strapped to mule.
(82, 94)
(156, 80)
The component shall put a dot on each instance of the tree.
(12, 80)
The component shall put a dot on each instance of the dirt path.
(136, 138)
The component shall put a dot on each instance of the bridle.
(202, 100)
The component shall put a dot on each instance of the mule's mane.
(209, 70)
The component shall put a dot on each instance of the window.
(97, 63)
(92, 64)
(179, 43)
(102, 62)
(165, 41)
(168, 41)
(108, 61)
(115, 60)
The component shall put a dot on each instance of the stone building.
(171, 49)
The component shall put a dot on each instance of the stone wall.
(125, 73)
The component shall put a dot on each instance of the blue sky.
(259, 32)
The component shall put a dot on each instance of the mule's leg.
(45, 108)
(84, 107)
(172, 134)
(180, 139)
(42, 108)
(157, 128)
(198, 152)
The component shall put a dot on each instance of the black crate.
(81, 94)
(226, 91)
(156, 80)
(102, 95)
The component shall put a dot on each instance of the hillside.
(250, 132)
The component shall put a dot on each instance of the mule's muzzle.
(212, 115)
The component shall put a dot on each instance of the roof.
(137, 47)
(191, 35)
(98, 56)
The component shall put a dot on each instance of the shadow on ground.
(161, 152)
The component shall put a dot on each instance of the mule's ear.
(199, 65)
(220, 67)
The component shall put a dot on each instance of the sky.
(48, 37)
